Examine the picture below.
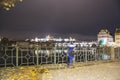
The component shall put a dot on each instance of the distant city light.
(51, 38)
(36, 39)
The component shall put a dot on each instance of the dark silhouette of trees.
(5, 42)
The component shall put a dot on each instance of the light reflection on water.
(49, 52)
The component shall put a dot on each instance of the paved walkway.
(102, 71)
(81, 71)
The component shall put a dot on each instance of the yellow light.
(20, 0)
(7, 9)
(6, 4)
(13, 5)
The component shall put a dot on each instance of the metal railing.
(20, 56)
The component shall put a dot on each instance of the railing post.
(112, 53)
(118, 53)
(37, 55)
(95, 53)
(5, 59)
(16, 56)
(55, 55)
(86, 55)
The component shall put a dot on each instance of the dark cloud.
(83, 17)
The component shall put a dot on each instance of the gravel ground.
(101, 71)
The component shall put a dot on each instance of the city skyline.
(84, 18)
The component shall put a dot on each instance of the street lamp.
(8, 4)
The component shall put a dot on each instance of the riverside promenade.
(101, 63)
(79, 71)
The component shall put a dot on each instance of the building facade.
(104, 37)
(117, 36)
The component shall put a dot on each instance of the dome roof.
(104, 31)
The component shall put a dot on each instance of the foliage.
(4, 41)
(101, 42)
(25, 73)
(8, 4)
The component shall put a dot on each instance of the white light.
(71, 45)
(36, 39)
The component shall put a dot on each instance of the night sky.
(81, 18)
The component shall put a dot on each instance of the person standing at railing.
(70, 54)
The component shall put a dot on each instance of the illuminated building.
(117, 36)
(104, 37)
(65, 41)
(51, 38)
